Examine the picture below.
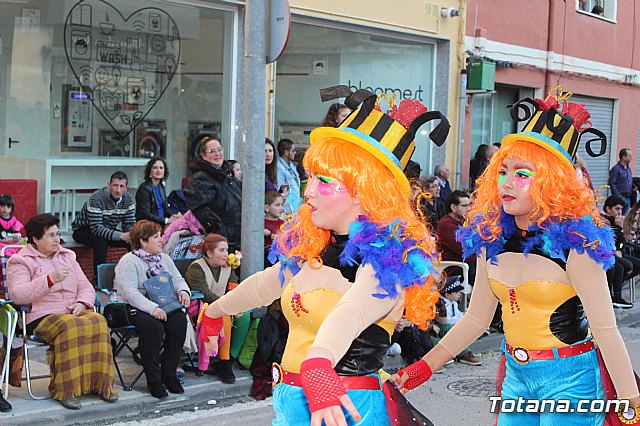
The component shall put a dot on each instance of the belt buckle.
(630, 416)
(521, 355)
(276, 374)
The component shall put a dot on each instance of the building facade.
(538, 45)
(89, 87)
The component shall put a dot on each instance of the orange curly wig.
(557, 192)
(381, 198)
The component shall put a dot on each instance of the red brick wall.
(84, 256)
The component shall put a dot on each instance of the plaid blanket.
(79, 354)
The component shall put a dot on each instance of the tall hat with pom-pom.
(388, 137)
(559, 132)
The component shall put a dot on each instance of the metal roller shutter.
(601, 111)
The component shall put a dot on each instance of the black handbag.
(117, 314)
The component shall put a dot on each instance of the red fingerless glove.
(210, 326)
(321, 384)
(418, 372)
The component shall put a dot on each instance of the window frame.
(610, 9)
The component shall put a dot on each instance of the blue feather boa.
(553, 239)
(381, 246)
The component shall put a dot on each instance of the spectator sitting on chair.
(213, 277)
(457, 205)
(11, 230)
(48, 277)
(106, 219)
(151, 197)
(442, 174)
(157, 330)
(613, 206)
(448, 314)
(10, 226)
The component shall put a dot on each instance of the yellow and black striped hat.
(388, 137)
(558, 132)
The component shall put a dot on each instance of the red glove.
(418, 372)
(321, 384)
(210, 326)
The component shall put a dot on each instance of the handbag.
(161, 291)
(117, 314)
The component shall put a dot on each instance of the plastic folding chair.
(8, 322)
(12, 320)
(120, 336)
(8, 327)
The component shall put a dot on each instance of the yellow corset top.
(305, 312)
(527, 311)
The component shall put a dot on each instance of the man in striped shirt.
(105, 220)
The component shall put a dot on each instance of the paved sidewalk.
(207, 391)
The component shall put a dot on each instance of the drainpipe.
(550, 38)
(462, 106)
(253, 134)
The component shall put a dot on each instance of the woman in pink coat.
(48, 277)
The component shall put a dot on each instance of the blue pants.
(292, 409)
(573, 378)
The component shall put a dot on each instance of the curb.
(136, 405)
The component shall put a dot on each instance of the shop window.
(481, 128)
(491, 118)
(113, 79)
(317, 57)
(602, 8)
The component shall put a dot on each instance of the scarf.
(154, 260)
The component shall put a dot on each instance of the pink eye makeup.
(523, 178)
(330, 186)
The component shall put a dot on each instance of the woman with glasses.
(213, 196)
(432, 206)
(48, 277)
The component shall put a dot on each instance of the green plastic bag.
(250, 345)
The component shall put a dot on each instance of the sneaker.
(451, 361)
(394, 350)
(470, 359)
(619, 302)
